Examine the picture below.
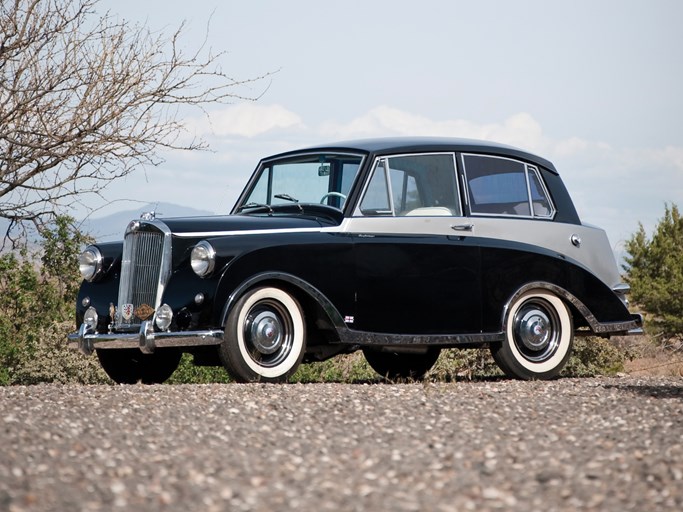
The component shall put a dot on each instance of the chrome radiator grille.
(142, 276)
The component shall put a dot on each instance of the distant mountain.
(111, 227)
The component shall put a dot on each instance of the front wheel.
(538, 337)
(400, 365)
(265, 337)
(130, 366)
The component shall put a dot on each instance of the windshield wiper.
(287, 197)
(256, 205)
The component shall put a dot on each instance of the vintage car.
(398, 247)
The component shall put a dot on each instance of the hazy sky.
(595, 86)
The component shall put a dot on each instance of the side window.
(539, 196)
(376, 198)
(501, 186)
(415, 185)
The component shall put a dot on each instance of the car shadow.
(664, 390)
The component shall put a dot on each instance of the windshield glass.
(312, 178)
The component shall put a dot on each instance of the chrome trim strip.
(273, 231)
(145, 340)
(350, 337)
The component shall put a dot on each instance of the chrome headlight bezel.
(90, 263)
(203, 259)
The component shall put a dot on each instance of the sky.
(594, 86)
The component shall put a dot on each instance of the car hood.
(216, 225)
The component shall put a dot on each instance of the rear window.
(502, 186)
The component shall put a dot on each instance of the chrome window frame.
(527, 168)
(544, 189)
(458, 197)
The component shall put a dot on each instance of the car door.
(417, 271)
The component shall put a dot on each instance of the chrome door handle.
(462, 227)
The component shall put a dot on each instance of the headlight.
(203, 258)
(90, 263)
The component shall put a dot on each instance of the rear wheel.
(401, 365)
(265, 337)
(130, 366)
(538, 337)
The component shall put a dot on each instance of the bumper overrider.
(146, 339)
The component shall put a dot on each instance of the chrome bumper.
(638, 330)
(145, 339)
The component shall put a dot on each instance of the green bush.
(37, 292)
(594, 357)
(655, 274)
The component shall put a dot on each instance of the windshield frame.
(244, 198)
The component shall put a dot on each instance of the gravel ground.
(591, 444)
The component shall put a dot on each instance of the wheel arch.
(316, 306)
(580, 313)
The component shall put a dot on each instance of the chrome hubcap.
(266, 332)
(536, 330)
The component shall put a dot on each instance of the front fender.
(290, 281)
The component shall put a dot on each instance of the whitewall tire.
(539, 335)
(265, 337)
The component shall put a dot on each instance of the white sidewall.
(565, 334)
(298, 336)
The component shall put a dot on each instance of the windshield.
(312, 178)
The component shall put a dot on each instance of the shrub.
(37, 291)
(655, 274)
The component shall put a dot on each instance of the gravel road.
(592, 444)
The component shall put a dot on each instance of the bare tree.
(87, 98)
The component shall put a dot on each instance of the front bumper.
(146, 339)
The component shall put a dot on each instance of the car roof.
(386, 145)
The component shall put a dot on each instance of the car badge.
(127, 312)
(144, 312)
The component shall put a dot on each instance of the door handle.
(462, 227)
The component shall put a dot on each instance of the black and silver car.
(398, 247)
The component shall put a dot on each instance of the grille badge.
(127, 312)
(144, 311)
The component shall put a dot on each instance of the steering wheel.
(332, 194)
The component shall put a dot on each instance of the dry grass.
(649, 357)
